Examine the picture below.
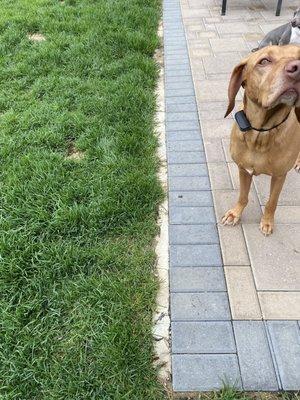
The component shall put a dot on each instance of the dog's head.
(296, 19)
(270, 76)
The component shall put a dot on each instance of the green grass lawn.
(79, 197)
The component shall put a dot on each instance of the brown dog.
(271, 79)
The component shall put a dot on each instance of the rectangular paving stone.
(204, 372)
(196, 255)
(190, 199)
(189, 183)
(182, 53)
(211, 91)
(176, 49)
(186, 157)
(195, 13)
(180, 100)
(187, 170)
(234, 250)
(193, 234)
(226, 199)
(179, 92)
(228, 44)
(199, 306)
(183, 135)
(174, 108)
(192, 215)
(185, 71)
(219, 176)
(234, 27)
(275, 260)
(216, 128)
(242, 294)
(175, 59)
(290, 194)
(185, 145)
(214, 150)
(171, 79)
(280, 305)
(221, 64)
(182, 125)
(193, 279)
(287, 215)
(257, 368)
(179, 84)
(182, 116)
(285, 337)
(202, 337)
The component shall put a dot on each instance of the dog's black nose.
(294, 24)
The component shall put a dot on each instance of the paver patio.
(235, 295)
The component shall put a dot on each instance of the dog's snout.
(294, 23)
(292, 69)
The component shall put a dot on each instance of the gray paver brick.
(189, 183)
(174, 48)
(199, 306)
(285, 337)
(186, 157)
(187, 170)
(202, 337)
(176, 64)
(179, 92)
(169, 58)
(257, 368)
(172, 79)
(183, 135)
(182, 116)
(189, 107)
(187, 199)
(192, 215)
(204, 372)
(185, 145)
(178, 72)
(193, 234)
(180, 100)
(191, 279)
(196, 255)
(179, 85)
(182, 125)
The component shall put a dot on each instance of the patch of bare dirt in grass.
(73, 153)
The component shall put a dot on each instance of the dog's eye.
(264, 61)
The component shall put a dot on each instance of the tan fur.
(276, 151)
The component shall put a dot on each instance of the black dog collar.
(245, 125)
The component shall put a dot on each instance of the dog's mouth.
(289, 96)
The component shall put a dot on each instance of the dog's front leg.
(267, 221)
(233, 216)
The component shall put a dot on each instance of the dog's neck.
(261, 118)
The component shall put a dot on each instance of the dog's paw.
(297, 166)
(230, 218)
(266, 227)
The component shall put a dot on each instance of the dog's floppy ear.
(235, 83)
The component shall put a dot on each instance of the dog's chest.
(295, 36)
(274, 157)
